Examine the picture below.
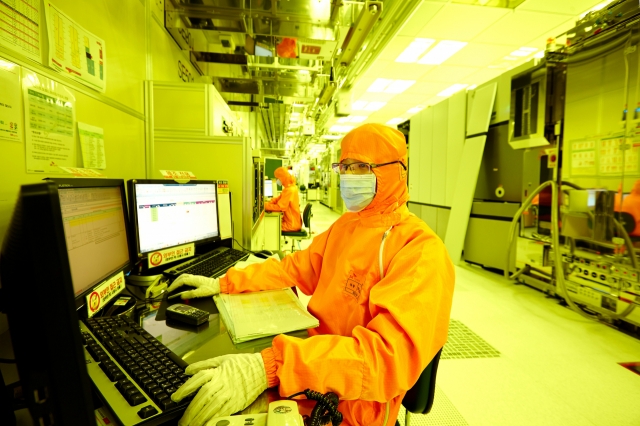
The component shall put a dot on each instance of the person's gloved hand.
(227, 385)
(205, 286)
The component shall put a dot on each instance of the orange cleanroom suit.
(288, 202)
(383, 303)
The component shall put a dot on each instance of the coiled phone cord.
(325, 410)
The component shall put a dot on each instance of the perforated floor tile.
(443, 413)
(464, 343)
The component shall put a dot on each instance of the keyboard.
(212, 264)
(133, 372)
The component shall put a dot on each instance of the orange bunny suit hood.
(284, 176)
(375, 143)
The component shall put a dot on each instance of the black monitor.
(38, 269)
(166, 214)
(95, 223)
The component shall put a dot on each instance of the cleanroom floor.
(516, 357)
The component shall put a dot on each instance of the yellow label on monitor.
(223, 187)
(172, 254)
(177, 174)
(104, 292)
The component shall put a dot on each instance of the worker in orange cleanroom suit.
(288, 202)
(381, 284)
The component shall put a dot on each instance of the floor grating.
(443, 413)
(463, 343)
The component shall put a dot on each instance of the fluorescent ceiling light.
(451, 90)
(331, 137)
(473, 86)
(358, 105)
(374, 106)
(343, 120)
(340, 129)
(510, 58)
(399, 86)
(539, 55)
(395, 121)
(416, 109)
(442, 51)
(415, 49)
(379, 85)
(390, 86)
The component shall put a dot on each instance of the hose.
(555, 241)
(516, 219)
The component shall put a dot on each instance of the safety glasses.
(360, 168)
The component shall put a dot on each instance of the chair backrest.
(419, 399)
(306, 216)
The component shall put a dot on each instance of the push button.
(147, 411)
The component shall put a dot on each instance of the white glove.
(236, 382)
(205, 286)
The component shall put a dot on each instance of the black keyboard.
(212, 264)
(132, 371)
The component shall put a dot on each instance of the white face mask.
(278, 182)
(357, 191)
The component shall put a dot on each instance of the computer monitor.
(268, 188)
(166, 214)
(95, 223)
(38, 297)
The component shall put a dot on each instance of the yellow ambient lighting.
(442, 51)
(358, 105)
(416, 109)
(374, 106)
(414, 50)
(451, 90)
(380, 85)
(340, 129)
(395, 121)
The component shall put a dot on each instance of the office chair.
(303, 234)
(419, 399)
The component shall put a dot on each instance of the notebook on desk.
(259, 314)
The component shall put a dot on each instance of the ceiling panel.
(484, 75)
(396, 70)
(481, 55)
(418, 97)
(379, 97)
(426, 89)
(569, 7)
(449, 74)
(395, 47)
(423, 14)
(461, 22)
(519, 27)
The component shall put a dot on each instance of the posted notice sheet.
(92, 145)
(50, 124)
(10, 112)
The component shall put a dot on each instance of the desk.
(272, 230)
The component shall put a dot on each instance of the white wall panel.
(467, 179)
(443, 222)
(439, 153)
(430, 216)
(425, 156)
(457, 118)
(415, 148)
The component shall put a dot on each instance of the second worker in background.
(288, 202)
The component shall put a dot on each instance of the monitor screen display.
(268, 188)
(94, 221)
(170, 214)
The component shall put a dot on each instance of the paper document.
(20, 27)
(74, 51)
(264, 313)
(92, 144)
